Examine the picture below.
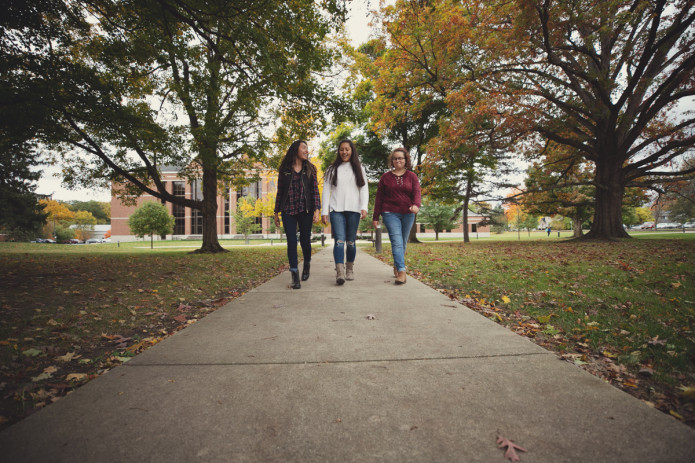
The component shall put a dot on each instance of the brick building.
(189, 222)
(474, 220)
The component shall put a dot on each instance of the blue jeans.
(290, 222)
(398, 226)
(344, 228)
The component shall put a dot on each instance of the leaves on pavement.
(510, 454)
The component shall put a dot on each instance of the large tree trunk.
(466, 237)
(610, 186)
(210, 242)
(578, 233)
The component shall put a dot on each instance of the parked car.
(647, 225)
(48, 240)
(667, 225)
(75, 241)
(689, 225)
(93, 241)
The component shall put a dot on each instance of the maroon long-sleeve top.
(396, 193)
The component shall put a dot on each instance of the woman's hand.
(414, 209)
(324, 219)
(317, 216)
(375, 223)
(363, 214)
(276, 219)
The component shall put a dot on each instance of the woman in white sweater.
(345, 200)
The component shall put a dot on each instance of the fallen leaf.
(31, 352)
(688, 392)
(47, 373)
(371, 316)
(655, 341)
(510, 454)
(69, 356)
(180, 318)
(76, 376)
(506, 300)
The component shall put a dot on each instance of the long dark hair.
(291, 156)
(332, 170)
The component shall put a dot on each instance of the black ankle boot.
(295, 279)
(305, 271)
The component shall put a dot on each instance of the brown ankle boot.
(349, 271)
(340, 274)
(400, 279)
(395, 271)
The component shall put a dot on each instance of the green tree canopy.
(150, 83)
(152, 218)
(437, 216)
(101, 211)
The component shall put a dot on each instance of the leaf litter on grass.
(609, 308)
(69, 317)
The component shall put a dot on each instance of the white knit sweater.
(346, 195)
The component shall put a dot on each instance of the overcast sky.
(357, 29)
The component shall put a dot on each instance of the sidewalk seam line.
(316, 362)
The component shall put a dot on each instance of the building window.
(179, 211)
(474, 228)
(197, 214)
(227, 206)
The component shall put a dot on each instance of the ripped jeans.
(344, 228)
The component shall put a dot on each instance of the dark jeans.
(290, 222)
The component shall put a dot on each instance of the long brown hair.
(332, 170)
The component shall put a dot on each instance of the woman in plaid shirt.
(298, 200)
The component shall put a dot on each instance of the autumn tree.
(101, 211)
(145, 84)
(603, 78)
(245, 216)
(152, 218)
(421, 78)
(84, 224)
(58, 218)
(560, 184)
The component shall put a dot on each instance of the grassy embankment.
(70, 313)
(625, 311)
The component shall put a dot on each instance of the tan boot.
(400, 279)
(349, 273)
(395, 271)
(340, 274)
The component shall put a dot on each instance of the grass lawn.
(625, 311)
(70, 313)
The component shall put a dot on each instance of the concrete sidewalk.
(304, 376)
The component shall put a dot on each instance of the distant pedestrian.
(548, 230)
(345, 199)
(397, 201)
(298, 200)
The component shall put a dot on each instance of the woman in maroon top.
(397, 201)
